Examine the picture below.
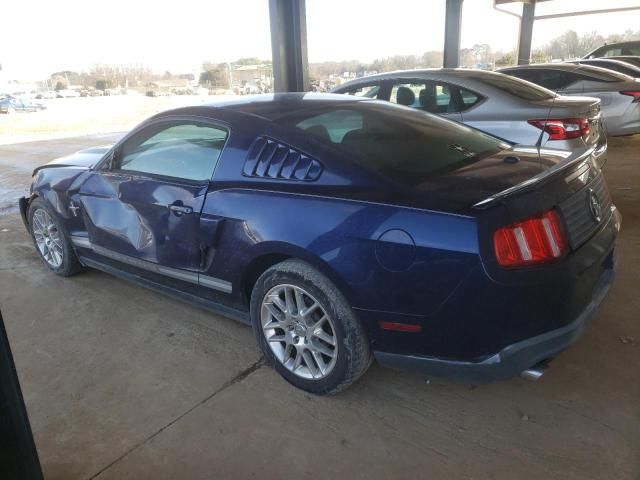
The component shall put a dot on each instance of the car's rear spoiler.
(536, 180)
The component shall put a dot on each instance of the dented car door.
(144, 204)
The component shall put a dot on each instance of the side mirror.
(107, 162)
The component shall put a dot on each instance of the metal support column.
(452, 28)
(18, 455)
(289, 45)
(526, 32)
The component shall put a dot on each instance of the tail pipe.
(534, 373)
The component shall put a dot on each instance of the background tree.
(539, 56)
(483, 53)
(590, 41)
(570, 45)
(215, 75)
(251, 61)
(103, 84)
(432, 58)
(507, 59)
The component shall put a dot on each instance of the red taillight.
(564, 128)
(532, 241)
(635, 94)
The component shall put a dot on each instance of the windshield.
(400, 143)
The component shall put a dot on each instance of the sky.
(40, 37)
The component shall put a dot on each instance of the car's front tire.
(307, 330)
(51, 239)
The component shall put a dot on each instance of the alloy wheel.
(299, 332)
(47, 237)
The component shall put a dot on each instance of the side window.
(406, 94)
(444, 99)
(556, 79)
(333, 126)
(367, 91)
(532, 76)
(612, 52)
(468, 98)
(186, 150)
(434, 97)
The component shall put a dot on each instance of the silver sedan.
(619, 93)
(512, 109)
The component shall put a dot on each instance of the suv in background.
(616, 49)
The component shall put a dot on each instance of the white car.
(68, 94)
(48, 94)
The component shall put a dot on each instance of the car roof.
(448, 72)
(600, 59)
(271, 105)
(633, 59)
(605, 60)
(591, 70)
(280, 107)
(615, 44)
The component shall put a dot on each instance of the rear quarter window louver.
(268, 158)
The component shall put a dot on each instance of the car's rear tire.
(51, 239)
(307, 330)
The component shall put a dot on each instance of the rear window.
(600, 74)
(403, 144)
(517, 87)
(369, 91)
(557, 78)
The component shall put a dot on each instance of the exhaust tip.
(532, 374)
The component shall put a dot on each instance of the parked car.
(616, 49)
(612, 64)
(68, 93)
(506, 107)
(340, 227)
(47, 94)
(11, 104)
(619, 93)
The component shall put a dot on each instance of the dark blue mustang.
(342, 229)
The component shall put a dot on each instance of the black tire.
(70, 264)
(353, 353)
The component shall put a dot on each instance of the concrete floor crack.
(229, 383)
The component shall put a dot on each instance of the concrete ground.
(121, 382)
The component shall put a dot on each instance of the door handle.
(179, 210)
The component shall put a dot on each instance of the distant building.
(170, 84)
(253, 76)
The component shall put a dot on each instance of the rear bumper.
(513, 359)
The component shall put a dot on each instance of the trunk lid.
(494, 179)
(567, 107)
